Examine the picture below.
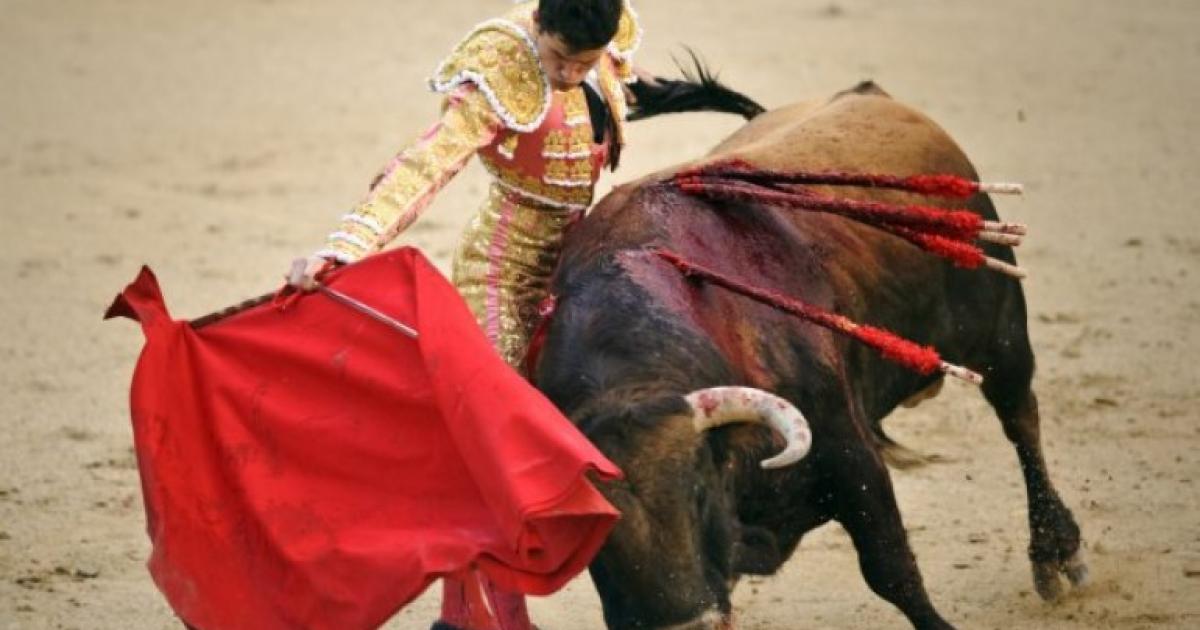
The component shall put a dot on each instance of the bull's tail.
(901, 457)
(698, 91)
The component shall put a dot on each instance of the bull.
(634, 346)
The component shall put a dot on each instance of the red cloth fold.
(315, 468)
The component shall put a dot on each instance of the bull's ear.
(619, 412)
(653, 410)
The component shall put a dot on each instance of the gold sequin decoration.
(535, 188)
(497, 56)
(614, 95)
(581, 171)
(508, 146)
(502, 268)
(555, 143)
(575, 107)
(418, 172)
(581, 141)
(629, 33)
(556, 169)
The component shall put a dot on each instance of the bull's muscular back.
(832, 262)
(860, 130)
(873, 276)
(863, 272)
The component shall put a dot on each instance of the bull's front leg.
(866, 508)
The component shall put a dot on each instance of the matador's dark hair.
(582, 24)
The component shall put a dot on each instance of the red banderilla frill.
(923, 360)
(938, 185)
(945, 233)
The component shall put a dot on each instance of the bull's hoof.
(1045, 580)
(1046, 576)
(1077, 570)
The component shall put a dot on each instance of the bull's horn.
(717, 406)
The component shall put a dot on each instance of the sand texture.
(215, 140)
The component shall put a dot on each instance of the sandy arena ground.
(215, 140)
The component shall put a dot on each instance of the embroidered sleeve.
(625, 43)
(413, 177)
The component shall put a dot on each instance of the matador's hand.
(304, 272)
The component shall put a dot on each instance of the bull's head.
(669, 562)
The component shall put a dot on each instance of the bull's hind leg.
(1054, 542)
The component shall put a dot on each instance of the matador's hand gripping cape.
(314, 468)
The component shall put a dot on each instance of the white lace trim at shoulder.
(484, 85)
(626, 56)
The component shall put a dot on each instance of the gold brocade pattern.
(500, 58)
(575, 108)
(580, 143)
(409, 182)
(613, 92)
(555, 144)
(503, 264)
(625, 43)
(575, 142)
(508, 147)
(580, 173)
(536, 189)
(629, 33)
(498, 101)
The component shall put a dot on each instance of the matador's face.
(564, 67)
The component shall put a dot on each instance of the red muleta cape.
(314, 468)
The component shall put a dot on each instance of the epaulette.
(501, 59)
(628, 37)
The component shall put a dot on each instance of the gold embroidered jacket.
(535, 141)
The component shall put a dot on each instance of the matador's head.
(571, 37)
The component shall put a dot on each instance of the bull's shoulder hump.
(767, 126)
(848, 132)
(863, 87)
